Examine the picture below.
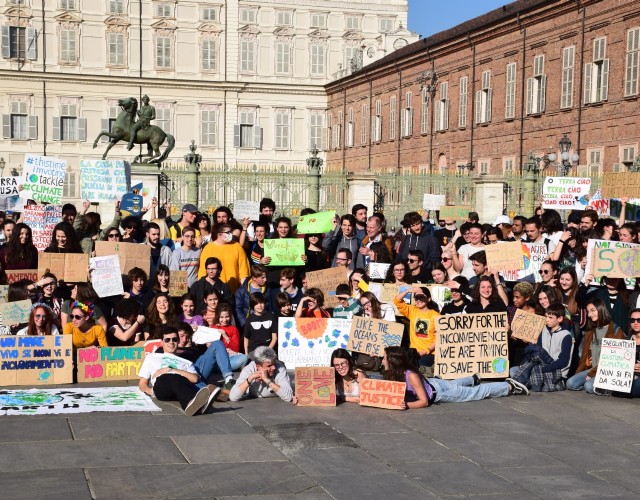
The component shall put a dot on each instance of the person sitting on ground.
(261, 327)
(310, 305)
(634, 334)
(126, 328)
(84, 330)
(283, 305)
(347, 307)
(41, 322)
(348, 377)
(422, 335)
(188, 307)
(230, 337)
(264, 377)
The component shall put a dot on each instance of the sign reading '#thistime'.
(43, 178)
(566, 193)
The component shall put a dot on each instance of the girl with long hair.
(159, 313)
(317, 258)
(348, 376)
(373, 308)
(64, 240)
(84, 292)
(19, 252)
(41, 322)
(485, 298)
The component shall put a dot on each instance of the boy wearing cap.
(503, 222)
(189, 212)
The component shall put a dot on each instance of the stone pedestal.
(361, 189)
(489, 200)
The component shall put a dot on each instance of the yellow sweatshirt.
(422, 328)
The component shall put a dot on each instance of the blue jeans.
(579, 381)
(238, 361)
(214, 357)
(461, 390)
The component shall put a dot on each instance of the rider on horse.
(145, 114)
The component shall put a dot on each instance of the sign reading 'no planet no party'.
(566, 193)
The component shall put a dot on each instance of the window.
(18, 43)
(507, 166)
(631, 74)
(116, 48)
(69, 188)
(376, 123)
(568, 63)
(596, 74)
(283, 57)
(107, 123)
(483, 99)
(247, 134)
(386, 24)
(67, 126)
(248, 16)
(318, 20)
(318, 60)
(282, 134)
(392, 117)
(247, 55)
(407, 116)
(68, 4)
(337, 131)
(115, 6)
(424, 111)
(284, 17)
(350, 56)
(164, 117)
(163, 10)
(349, 140)
(68, 52)
(163, 52)
(365, 120)
(462, 111)
(17, 124)
(209, 55)
(537, 87)
(628, 154)
(484, 167)
(316, 130)
(510, 94)
(210, 14)
(352, 22)
(208, 126)
(595, 161)
(442, 108)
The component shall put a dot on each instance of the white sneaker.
(213, 394)
(198, 401)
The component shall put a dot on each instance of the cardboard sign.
(616, 262)
(505, 256)
(243, 209)
(566, 193)
(310, 341)
(327, 280)
(105, 276)
(12, 313)
(10, 200)
(391, 290)
(621, 185)
(4, 290)
(592, 245)
(457, 213)
(42, 220)
(382, 394)
(534, 255)
(42, 360)
(472, 343)
(285, 251)
(204, 335)
(43, 178)
(434, 201)
(69, 267)
(109, 363)
(321, 222)
(370, 336)
(441, 295)
(316, 386)
(527, 326)
(103, 180)
(378, 270)
(22, 274)
(178, 283)
(615, 366)
(131, 254)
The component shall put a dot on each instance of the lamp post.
(566, 161)
(468, 167)
(193, 161)
(532, 169)
(314, 163)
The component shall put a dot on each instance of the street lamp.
(469, 167)
(566, 165)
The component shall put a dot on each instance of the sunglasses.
(544, 271)
(445, 259)
(634, 320)
(421, 297)
(77, 316)
(170, 339)
(113, 235)
(413, 261)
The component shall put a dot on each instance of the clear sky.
(427, 17)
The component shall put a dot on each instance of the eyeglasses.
(340, 259)
(401, 270)
(634, 320)
(365, 304)
(344, 364)
(76, 316)
(211, 269)
(39, 316)
(113, 235)
(170, 339)
(445, 259)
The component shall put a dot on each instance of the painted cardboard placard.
(316, 386)
(320, 222)
(22, 274)
(506, 256)
(105, 276)
(433, 201)
(178, 283)
(327, 280)
(616, 262)
(593, 245)
(527, 326)
(472, 343)
(370, 336)
(566, 193)
(103, 180)
(43, 178)
(599, 204)
(621, 185)
(69, 267)
(4, 290)
(310, 341)
(615, 366)
(12, 313)
(244, 208)
(42, 360)
(385, 394)
(285, 251)
(109, 363)
(391, 290)
(10, 200)
(42, 220)
(378, 270)
(131, 254)
(457, 213)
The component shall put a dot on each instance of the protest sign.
(616, 262)
(204, 335)
(105, 276)
(566, 193)
(243, 209)
(131, 254)
(22, 274)
(310, 341)
(592, 246)
(29, 360)
(631, 211)
(378, 270)
(178, 283)
(285, 251)
(534, 254)
(109, 363)
(327, 280)
(457, 213)
(615, 366)
(12, 313)
(316, 386)
(133, 201)
(43, 178)
(527, 326)
(10, 200)
(382, 394)
(505, 256)
(69, 267)
(103, 180)
(433, 201)
(4, 290)
(621, 185)
(320, 222)
(370, 336)
(391, 290)
(440, 294)
(42, 220)
(472, 343)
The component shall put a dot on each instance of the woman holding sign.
(348, 377)
(634, 334)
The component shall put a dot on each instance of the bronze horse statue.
(152, 135)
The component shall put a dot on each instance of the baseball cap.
(503, 219)
(189, 207)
